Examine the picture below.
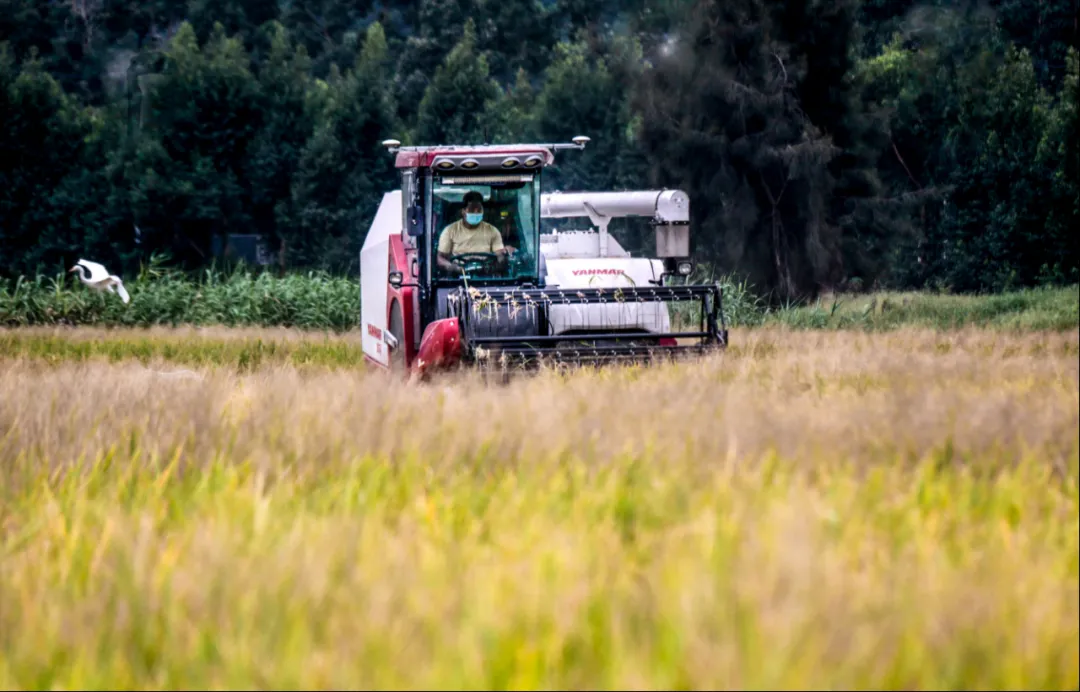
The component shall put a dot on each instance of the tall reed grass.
(164, 297)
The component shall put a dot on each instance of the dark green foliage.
(585, 94)
(343, 168)
(235, 16)
(722, 113)
(48, 176)
(191, 161)
(276, 151)
(994, 146)
(826, 144)
(1046, 29)
(995, 232)
(456, 105)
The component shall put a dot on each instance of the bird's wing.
(120, 289)
(97, 271)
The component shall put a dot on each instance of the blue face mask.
(474, 219)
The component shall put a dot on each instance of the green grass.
(812, 509)
(1031, 309)
(238, 350)
(320, 302)
(158, 297)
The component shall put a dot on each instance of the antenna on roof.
(579, 142)
(392, 145)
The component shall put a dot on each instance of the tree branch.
(784, 69)
(901, 160)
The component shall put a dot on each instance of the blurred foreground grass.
(810, 510)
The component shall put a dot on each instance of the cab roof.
(486, 156)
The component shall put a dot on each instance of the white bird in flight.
(98, 278)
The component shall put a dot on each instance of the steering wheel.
(476, 261)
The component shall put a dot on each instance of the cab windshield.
(503, 245)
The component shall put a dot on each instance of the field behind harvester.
(811, 509)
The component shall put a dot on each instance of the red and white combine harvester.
(561, 297)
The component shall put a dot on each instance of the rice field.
(253, 508)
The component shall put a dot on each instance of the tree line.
(824, 143)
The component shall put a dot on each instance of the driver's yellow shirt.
(457, 238)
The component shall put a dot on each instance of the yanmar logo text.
(598, 272)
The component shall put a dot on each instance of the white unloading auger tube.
(666, 208)
(663, 206)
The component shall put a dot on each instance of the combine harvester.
(572, 297)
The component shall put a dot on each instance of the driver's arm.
(448, 264)
(497, 247)
(446, 249)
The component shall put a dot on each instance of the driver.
(470, 234)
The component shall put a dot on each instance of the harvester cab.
(455, 269)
